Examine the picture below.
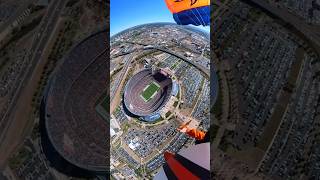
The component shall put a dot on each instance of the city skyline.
(125, 14)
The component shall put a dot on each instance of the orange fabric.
(197, 134)
(178, 169)
(176, 6)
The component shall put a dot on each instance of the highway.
(204, 70)
(127, 59)
(291, 21)
(42, 36)
(23, 6)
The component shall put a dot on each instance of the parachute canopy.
(196, 12)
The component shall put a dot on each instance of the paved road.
(115, 93)
(198, 66)
(23, 6)
(38, 45)
(293, 22)
(128, 60)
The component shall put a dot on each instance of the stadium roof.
(74, 128)
(138, 84)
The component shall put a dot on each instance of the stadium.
(147, 92)
(72, 131)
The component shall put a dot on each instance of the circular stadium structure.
(72, 129)
(147, 92)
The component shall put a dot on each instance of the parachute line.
(179, 20)
(195, 16)
(192, 19)
(185, 13)
(207, 18)
(200, 17)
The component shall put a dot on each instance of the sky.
(128, 13)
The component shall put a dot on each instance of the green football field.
(150, 91)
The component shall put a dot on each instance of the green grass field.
(149, 91)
